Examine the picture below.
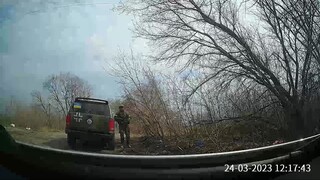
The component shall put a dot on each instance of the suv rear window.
(91, 108)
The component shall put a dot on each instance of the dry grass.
(35, 119)
(217, 138)
(38, 137)
(220, 137)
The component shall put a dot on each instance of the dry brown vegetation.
(237, 85)
(49, 111)
(34, 118)
(231, 59)
(221, 121)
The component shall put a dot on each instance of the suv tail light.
(111, 125)
(68, 120)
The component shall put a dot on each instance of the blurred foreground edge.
(31, 161)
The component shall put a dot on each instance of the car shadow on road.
(61, 143)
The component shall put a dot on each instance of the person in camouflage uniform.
(123, 119)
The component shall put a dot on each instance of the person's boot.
(128, 144)
(122, 141)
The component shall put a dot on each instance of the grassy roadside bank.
(38, 137)
(141, 145)
(58, 139)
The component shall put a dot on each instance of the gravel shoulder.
(58, 139)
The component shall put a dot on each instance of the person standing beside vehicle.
(123, 120)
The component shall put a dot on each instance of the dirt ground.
(139, 145)
(58, 139)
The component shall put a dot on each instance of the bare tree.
(145, 96)
(43, 104)
(281, 54)
(64, 88)
(11, 106)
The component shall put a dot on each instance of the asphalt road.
(61, 143)
(58, 139)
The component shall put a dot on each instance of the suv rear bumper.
(89, 136)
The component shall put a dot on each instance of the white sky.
(38, 39)
(77, 39)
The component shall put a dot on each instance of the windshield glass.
(91, 108)
(180, 76)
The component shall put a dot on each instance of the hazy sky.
(37, 40)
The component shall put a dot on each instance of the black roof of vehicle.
(91, 100)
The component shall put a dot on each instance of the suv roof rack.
(91, 100)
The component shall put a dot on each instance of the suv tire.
(71, 141)
(111, 144)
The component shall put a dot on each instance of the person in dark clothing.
(123, 119)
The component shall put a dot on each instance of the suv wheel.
(71, 141)
(111, 144)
